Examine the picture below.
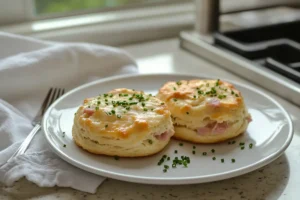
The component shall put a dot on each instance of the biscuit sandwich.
(205, 111)
(123, 122)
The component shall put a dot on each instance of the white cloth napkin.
(28, 68)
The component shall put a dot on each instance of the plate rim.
(169, 180)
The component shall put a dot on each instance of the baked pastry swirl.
(205, 111)
(123, 123)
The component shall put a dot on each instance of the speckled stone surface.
(278, 180)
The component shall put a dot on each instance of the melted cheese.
(115, 117)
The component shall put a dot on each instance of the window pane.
(63, 6)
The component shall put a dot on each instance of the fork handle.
(26, 142)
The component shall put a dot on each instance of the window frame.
(21, 11)
(112, 28)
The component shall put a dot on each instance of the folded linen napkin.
(28, 68)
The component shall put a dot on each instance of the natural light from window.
(48, 7)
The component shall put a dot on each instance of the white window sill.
(113, 28)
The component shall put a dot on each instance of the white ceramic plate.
(270, 132)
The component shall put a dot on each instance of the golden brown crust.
(196, 104)
(121, 122)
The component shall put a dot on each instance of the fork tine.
(44, 105)
(58, 94)
(53, 97)
(50, 100)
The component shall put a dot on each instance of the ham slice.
(220, 128)
(214, 128)
(89, 111)
(214, 102)
(165, 135)
(203, 130)
(249, 118)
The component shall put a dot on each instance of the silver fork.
(53, 94)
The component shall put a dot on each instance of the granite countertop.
(278, 180)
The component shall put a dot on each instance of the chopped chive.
(105, 95)
(213, 151)
(174, 88)
(218, 82)
(229, 142)
(168, 158)
(97, 108)
(194, 147)
(89, 106)
(180, 144)
(125, 95)
(143, 104)
(164, 156)
(242, 143)
(64, 145)
(145, 109)
(242, 147)
(222, 160)
(175, 151)
(214, 158)
(150, 141)
(194, 96)
(166, 166)
(127, 108)
(113, 112)
(236, 95)
(204, 153)
(250, 145)
(233, 142)
(106, 125)
(184, 163)
(187, 113)
(232, 92)
(162, 103)
(173, 165)
(194, 152)
(98, 102)
(175, 100)
(119, 116)
(165, 170)
(111, 95)
(178, 83)
(232, 160)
